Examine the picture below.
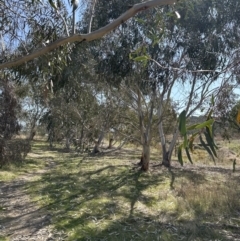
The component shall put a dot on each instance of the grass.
(107, 198)
(32, 163)
(3, 238)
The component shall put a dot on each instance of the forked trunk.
(97, 143)
(166, 151)
(145, 129)
(166, 160)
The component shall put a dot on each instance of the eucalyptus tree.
(195, 56)
(27, 26)
(70, 114)
(7, 63)
(191, 52)
(31, 98)
(9, 110)
(226, 112)
(73, 104)
(122, 74)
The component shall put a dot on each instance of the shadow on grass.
(144, 228)
(18, 215)
(104, 198)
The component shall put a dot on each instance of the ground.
(70, 196)
(21, 218)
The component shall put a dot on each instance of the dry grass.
(106, 197)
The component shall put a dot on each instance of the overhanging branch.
(90, 36)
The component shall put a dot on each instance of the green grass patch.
(35, 160)
(2, 238)
(107, 198)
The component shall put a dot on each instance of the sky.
(180, 92)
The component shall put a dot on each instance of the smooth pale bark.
(91, 16)
(165, 160)
(73, 23)
(90, 36)
(166, 152)
(145, 130)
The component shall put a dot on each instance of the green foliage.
(182, 123)
(204, 128)
(194, 42)
(180, 159)
(234, 165)
(226, 110)
(55, 4)
(14, 151)
(9, 109)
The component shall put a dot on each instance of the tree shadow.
(98, 200)
(19, 214)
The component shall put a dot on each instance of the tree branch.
(90, 36)
(91, 16)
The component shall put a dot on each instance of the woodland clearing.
(69, 196)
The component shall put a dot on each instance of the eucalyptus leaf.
(200, 126)
(182, 123)
(141, 58)
(188, 155)
(180, 155)
(206, 148)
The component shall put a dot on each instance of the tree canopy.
(146, 60)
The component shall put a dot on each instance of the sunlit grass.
(106, 197)
(3, 238)
(35, 160)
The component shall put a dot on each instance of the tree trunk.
(51, 138)
(32, 134)
(81, 142)
(141, 160)
(145, 158)
(110, 143)
(167, 154)
(166, 161)
(67, 144)
(173, 143)
(101, 136)
(96, 148)
(33, 128)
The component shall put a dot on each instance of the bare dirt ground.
(21, 219)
